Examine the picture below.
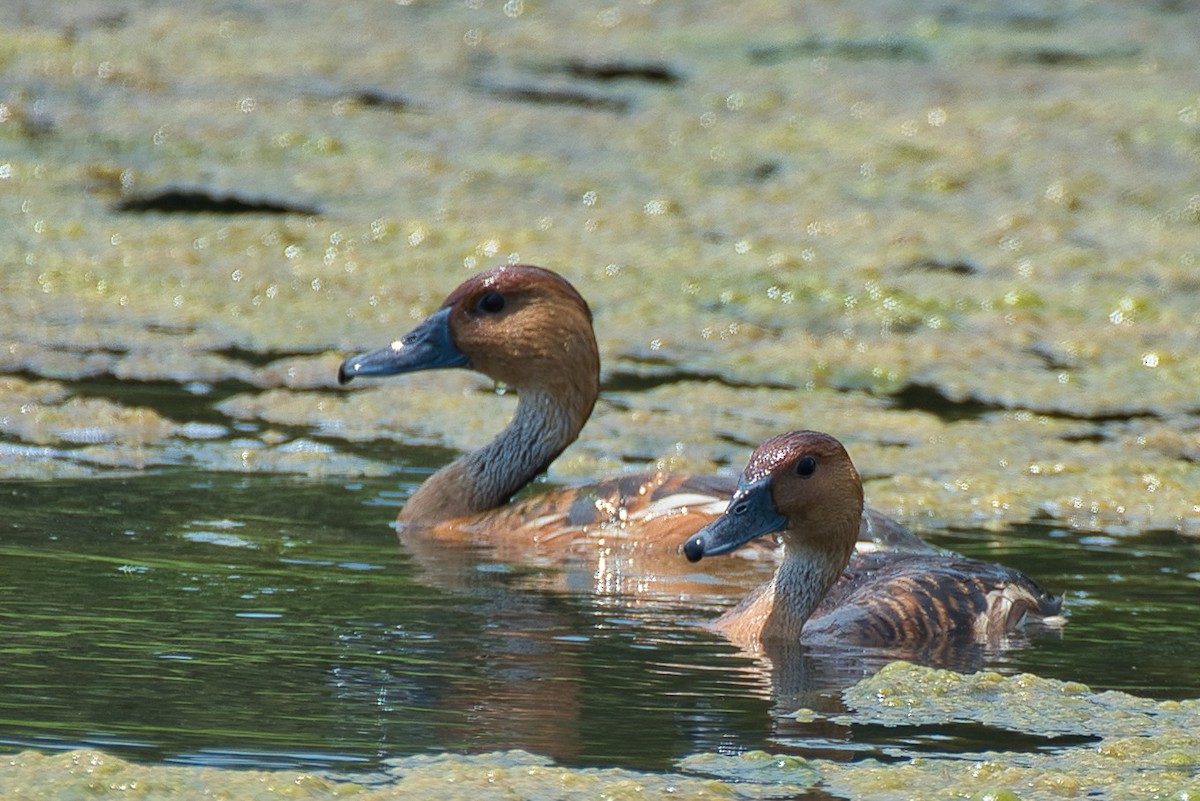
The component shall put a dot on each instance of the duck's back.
(656, 509)
(889, 598)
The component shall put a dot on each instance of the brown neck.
(544, 424)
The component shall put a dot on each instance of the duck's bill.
(751, 514)
(426, 347)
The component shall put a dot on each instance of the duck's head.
(522, 325)
(802, 485)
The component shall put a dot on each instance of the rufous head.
(519, 324)
(801, 484)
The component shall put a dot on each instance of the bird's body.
(803, 487)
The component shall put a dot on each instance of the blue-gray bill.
(427, 347)
(751, 513)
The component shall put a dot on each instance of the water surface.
(961, 238)
(222, 619)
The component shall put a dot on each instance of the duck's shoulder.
(909, 597)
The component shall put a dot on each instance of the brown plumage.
(803, 486)
(530, 329)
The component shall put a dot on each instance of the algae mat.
(962, 238)
(1110, 745)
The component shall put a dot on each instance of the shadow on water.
(223, 619)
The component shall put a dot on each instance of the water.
(222, 619)
(1132, 603)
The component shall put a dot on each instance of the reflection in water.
(526, 667)
(502, 684)
(529, 693)
(221, 619)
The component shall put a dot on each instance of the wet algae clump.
(1110, 745)
(500, 776)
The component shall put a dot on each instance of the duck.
(522, 326)
(528, 328)
(803, 487)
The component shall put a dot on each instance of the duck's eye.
(806, 467)
(491, 303)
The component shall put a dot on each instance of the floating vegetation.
(448, 777)
(918, 231)
(1124, 747)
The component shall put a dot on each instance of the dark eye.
(491, 303)
(806, 467)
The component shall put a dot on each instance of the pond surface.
(222, 619)
(961, 237)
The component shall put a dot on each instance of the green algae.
(908, 695)
(782, 776)
(738, 224)
(506, 775)
(1038, 465)
(1132, 747)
